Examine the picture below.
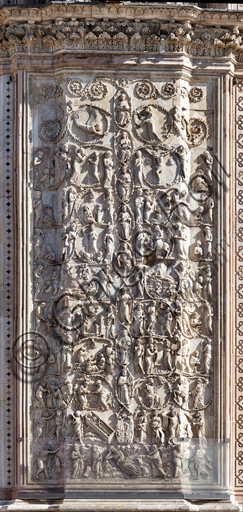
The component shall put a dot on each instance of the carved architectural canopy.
(121, 139)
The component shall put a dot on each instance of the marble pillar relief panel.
(123, 283)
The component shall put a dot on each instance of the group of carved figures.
(123, 284)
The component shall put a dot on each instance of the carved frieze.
(123, 280)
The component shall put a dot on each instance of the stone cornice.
(121, 27)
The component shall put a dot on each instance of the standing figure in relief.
(181, 392)
(207, 355)
(173, 428)
(208, 240)
(37, 205)
(110, 322)
(138, 321)
(78, 462)
(208, 317)
(197, 395)
(79, 158)
(109, 360)
(139, 169)
(141, 426)
(180, 240)
(139, 203)
(157, 430)
(40, 392)
(92, 240)
(109, 208)
(109, 245)
(151, 312)
(138, 356)
(78, 426)
(124, 184)
(123, 346)
(94, 160)
(152, 400)
(125, 222)
(148, 207)
(109, 169)
(159, 157)
(167, 356)
(123, 111)
(209, 206)
(155, 460)
(124, 389)
(150, 355)
(177, 461)
(96, 461)
(125, 306)
(207, 284)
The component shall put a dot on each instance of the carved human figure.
(151, 318)
(48, 218)
(161, 246)
(138, 321)
(138, 356)
(207, 355)
(139, 204)
(152, 400)
(38, 272)
(148, 207)
(197, 394)
(109, 360)
(94, 161)
(146, 118)
(181, 392)
(78, 161)
(109, 208)
(110, 322)
(103, 395)
(38, 208)
(168, 318)
(124, 389)
(138, 168)
(208, 239)
(125, 148)
(198, 251)
(97, 461)
(49, 255)
(82, 392)
(177, 458)
(209, 206)
(122, 110)
(77, 456)
(125, 222)
(124, 183)
(38, 239)
(207, 283)
(180, 241)
(150, 355)
(167, 360)
(123, 347)
(108, 169)
(109, 245)
(38, 159)
(208, 317)
(157, 430)
(154, 457)
(40, 394)
(88, 215)
(92, 240)
(128, 467)
(60, 429)
(78, 425)
(124, 305)
(173, 428)
(42, 460)
(141, 426)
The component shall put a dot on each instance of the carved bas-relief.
(124, 283)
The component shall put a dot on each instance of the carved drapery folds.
(124, 276)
